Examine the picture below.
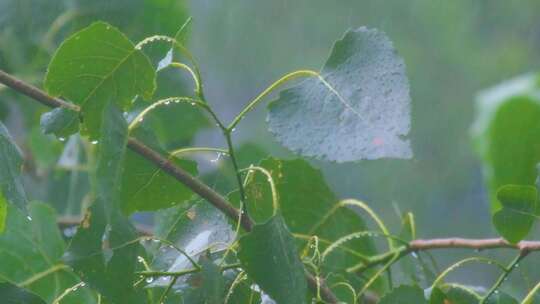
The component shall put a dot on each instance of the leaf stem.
(199, 149)
(513, 265)
(267, 91)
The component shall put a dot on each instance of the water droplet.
(192, 103)
(141, 119)
(94, 142)
(61, 138)
(414, 255)
(140, 259)
(219, 154)
(83, 284)
(233, 129)
(149, 280)
(167, 102)
(29, 218)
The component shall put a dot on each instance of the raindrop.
(192, 103)
(61, 138)
(140, 259)
(167, 102)
(29, 218)
(83, 284)
(414, 255)
(149, 280)
(219, 154)
(94, 142)
(233, 129)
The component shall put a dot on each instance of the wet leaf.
(300, 187)
(95, 66)
(404, 295)
(11, 294)
(269, 256)
(11, 162)
(104, 250)
(366, 114)
(32, 245)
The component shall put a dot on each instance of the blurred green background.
(452, 49)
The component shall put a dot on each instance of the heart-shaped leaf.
(95, 66)
(516, 217)
(360, 111)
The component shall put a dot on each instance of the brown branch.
(178, 173)
(524, 247)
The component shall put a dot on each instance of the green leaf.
(501, 298)
(146, 187)
(516, 217)
(195, 229)
(95, 66)
(269, 256)
(11, 162)
(209, 284)
(365, 115)
(404, 295)
(104, 251)
(455, 294)
(11, 294)
(301, 187)
(61, 122)
(506, 133)
(3, 212)
(31, 249)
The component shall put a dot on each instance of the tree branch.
(178, 173)
(524, 247)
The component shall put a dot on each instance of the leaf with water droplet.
(11, 162)
(95, 66)
(103, 251)
(269, 256)
(28, 248)
(360, 111)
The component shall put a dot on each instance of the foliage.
(281, 234)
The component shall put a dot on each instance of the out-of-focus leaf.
(98, 65)
(33, 245)
(364, 115)
(269, 256)
(301, 187)
(506, 133)
(140, 18)
(61, 122)
(11, 294)
(3, 212)
(45, 148)
(501, 298)
(404, 295)
(516, 217)
(11, 162)
(146, 187)
(104, 251)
